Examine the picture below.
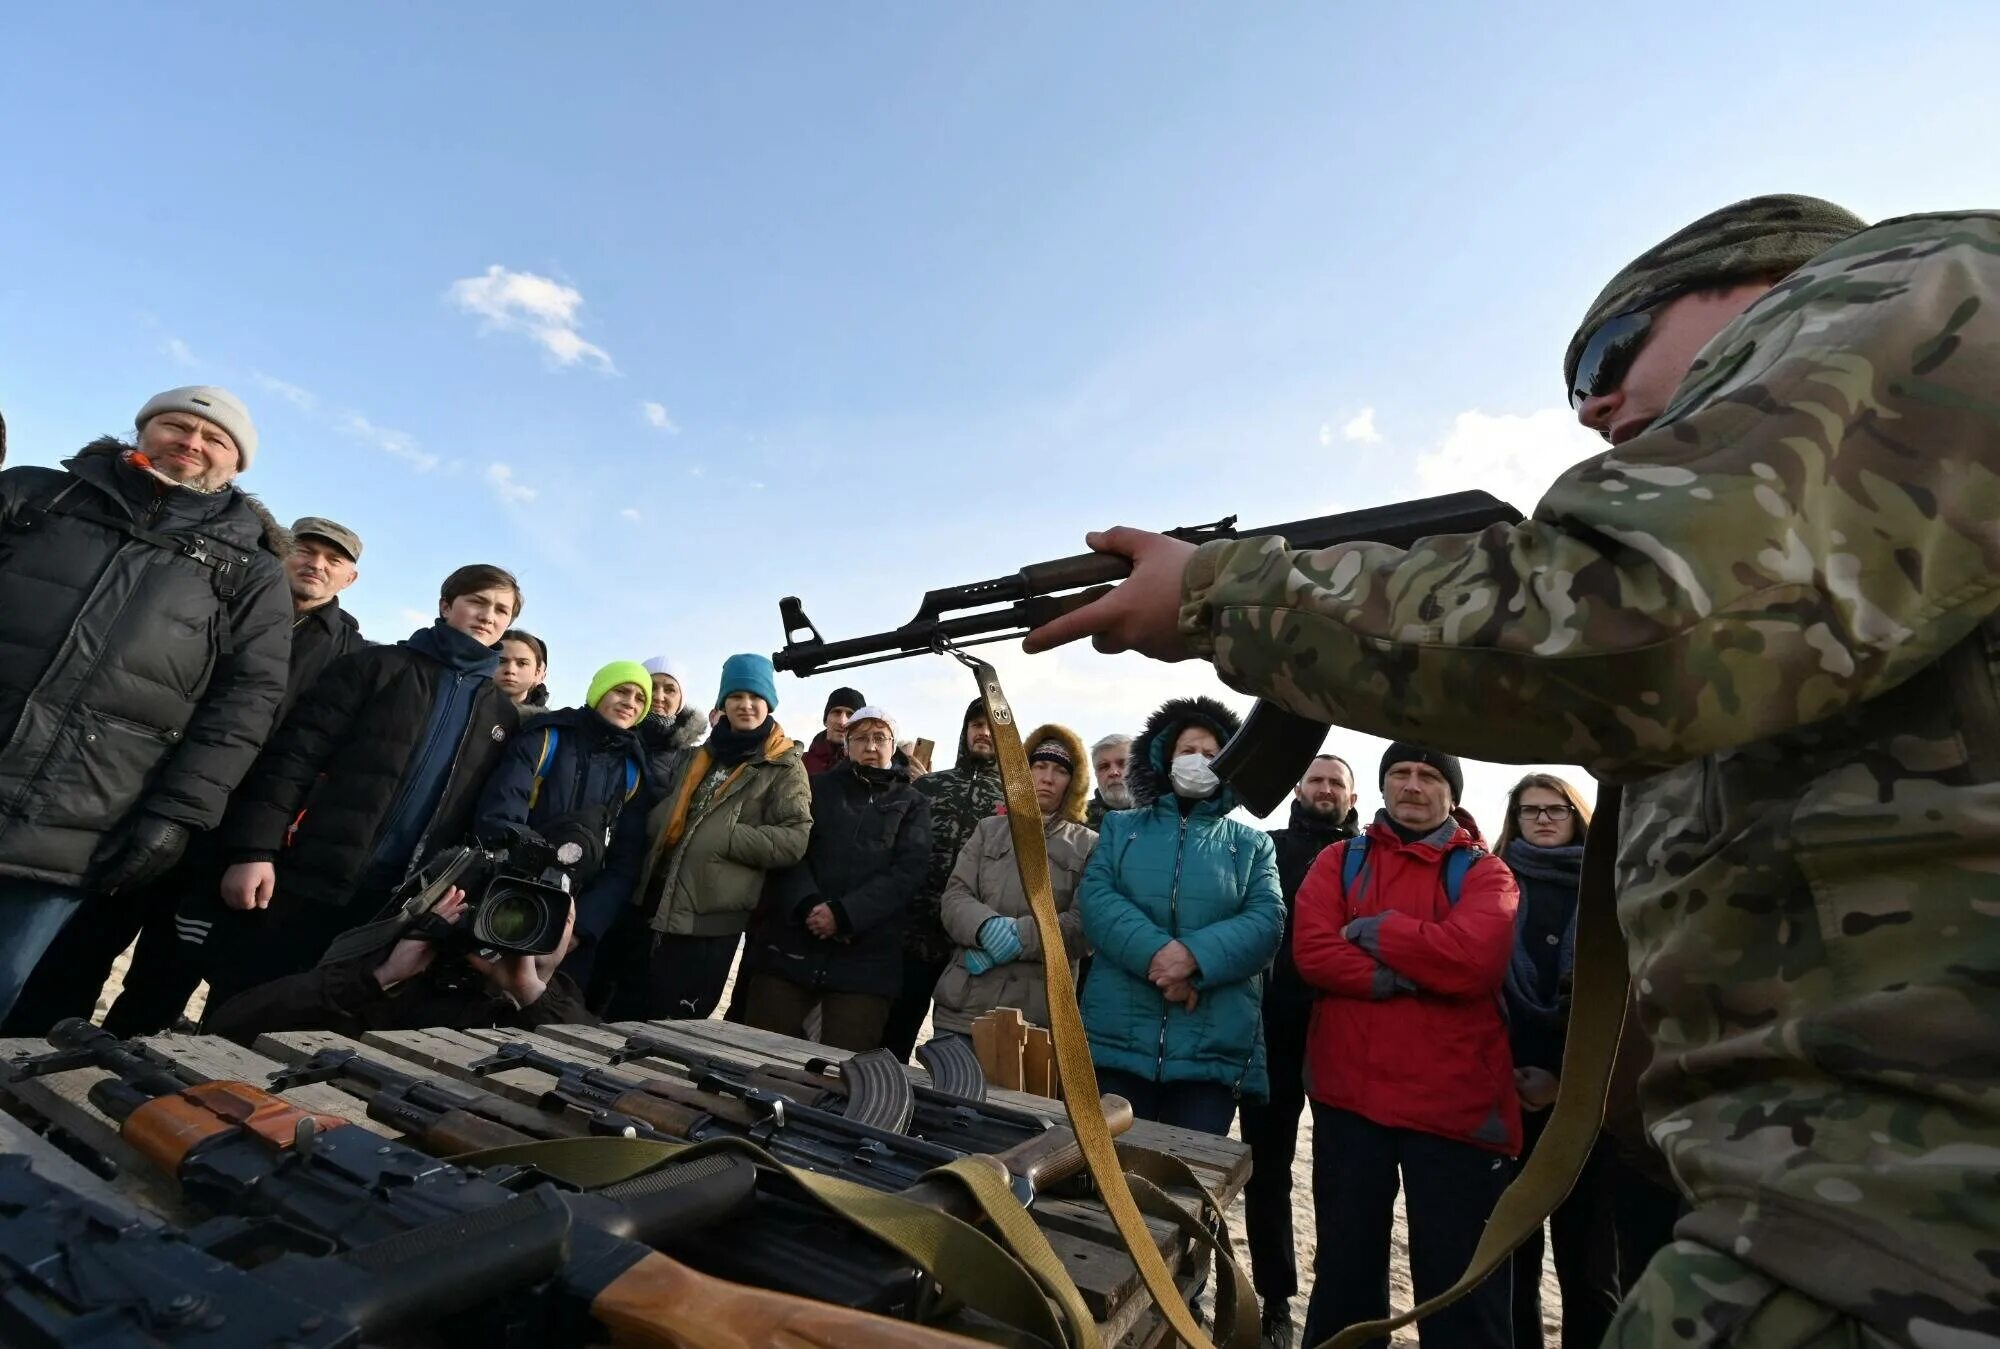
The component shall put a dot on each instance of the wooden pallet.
(1079, 1230)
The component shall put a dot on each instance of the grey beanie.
(206, 401)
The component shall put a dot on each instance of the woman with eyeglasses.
(1541, 840)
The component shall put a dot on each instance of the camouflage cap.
(1752, 238)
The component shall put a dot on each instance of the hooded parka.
(986, 884)
(134, 675)
(1174, 870)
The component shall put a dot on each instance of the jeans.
(1449, 1189)
(1207, 1107)
(851, 1021)
(32, 914)
(1271, 1128)
(1584, 1232)
(911, 1004)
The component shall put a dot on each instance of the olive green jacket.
(709, 882)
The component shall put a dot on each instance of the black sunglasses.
(1609, 354)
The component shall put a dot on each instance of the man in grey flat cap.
(144, 642)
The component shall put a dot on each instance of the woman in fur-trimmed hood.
(1182, 905)
(999, 958)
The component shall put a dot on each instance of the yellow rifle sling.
(1072, 1048)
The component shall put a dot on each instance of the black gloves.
(151, 846)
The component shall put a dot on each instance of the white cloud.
(694, 470)
(657, 418)
(291, 393)
(500, 477)
(1325, 433)
(1513, 456)
(396, 443)
(177, 351)
(543, 309)
(416, 618)
(1360, 427)
(629, 514)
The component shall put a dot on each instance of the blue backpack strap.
(631, 778)
(1352, 859)
(1457, 863)
(542, 763)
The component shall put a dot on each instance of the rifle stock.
(660, 1303)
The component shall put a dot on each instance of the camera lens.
(512, 918)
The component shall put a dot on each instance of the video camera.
(517, 891)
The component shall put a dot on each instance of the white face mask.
(1193, 778)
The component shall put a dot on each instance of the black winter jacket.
(319, 638)
(870, 846)
(131, 677)
(670, 742)
(345, 997)
(321, 793)
(1304, 839)
(596, 773)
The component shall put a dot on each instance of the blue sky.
(919, 292)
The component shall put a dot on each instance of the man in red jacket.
(1407, 1061)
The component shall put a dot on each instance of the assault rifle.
(871, 1088)
(798, 1135)
(1265, 759)
(444, 1117)
(239, 1152)
(780, 1242)
(75, 1271)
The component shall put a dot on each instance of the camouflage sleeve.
(1814, 519)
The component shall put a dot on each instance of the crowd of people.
(203, 753)
(1765, 617)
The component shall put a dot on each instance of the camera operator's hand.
(1142, 613)
(411, 956)
(523, 979)
(249, 885)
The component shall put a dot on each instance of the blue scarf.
(1542, 869)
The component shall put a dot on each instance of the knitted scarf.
(1555, 868)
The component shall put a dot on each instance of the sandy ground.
(1302, 1215)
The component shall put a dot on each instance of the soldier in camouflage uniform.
(1772, 612)
(960, 796)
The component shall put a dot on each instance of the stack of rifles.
(318, 1232)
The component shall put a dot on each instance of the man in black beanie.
(829, 748)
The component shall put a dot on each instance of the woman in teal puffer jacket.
(1183, 907)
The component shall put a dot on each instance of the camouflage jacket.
(1773, 615)
(960, 796)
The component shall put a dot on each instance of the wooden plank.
(224, 1060)
(1036, 1062)
(449, 1052)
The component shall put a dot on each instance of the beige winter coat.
(985, 883)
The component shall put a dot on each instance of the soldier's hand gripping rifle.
(799, 1135)
(1265, 759)
(238, 1151)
